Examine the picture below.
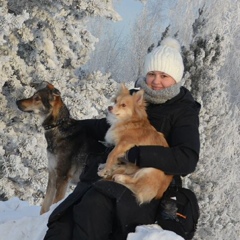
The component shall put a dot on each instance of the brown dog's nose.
(110, 108)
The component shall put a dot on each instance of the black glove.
(133, 155)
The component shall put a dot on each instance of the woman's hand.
(133, 155)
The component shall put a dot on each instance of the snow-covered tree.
(44, 41)
(223, 18)
(145, 30)
(110, 49)
(216, 180)
(123, 54)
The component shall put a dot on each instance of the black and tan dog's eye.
(37, 98)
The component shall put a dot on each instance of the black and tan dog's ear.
(49, 85)
(41, 85)
(37, 85)
(56, 92)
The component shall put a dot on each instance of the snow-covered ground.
(20, 221)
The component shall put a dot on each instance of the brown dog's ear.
(124, 89)
(138, 96)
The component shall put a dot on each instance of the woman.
(102, 210)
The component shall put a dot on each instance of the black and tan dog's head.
(43, 101)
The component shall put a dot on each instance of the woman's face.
(157, 80)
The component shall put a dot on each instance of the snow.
(21, 221)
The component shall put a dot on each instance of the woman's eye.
(163, 76)
(151, 74)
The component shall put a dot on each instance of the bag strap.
(193, 201)
(176, 182)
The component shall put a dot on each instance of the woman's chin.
(157, 88)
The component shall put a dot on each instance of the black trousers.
(106, 211)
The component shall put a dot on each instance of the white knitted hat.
(166, 58)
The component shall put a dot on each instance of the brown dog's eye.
(123, 105)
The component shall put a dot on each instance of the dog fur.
(130, 127)
(67, 141)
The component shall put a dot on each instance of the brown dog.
(130, 127)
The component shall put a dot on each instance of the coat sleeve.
(97, 128)
(182, 156)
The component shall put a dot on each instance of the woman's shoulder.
(185, 100)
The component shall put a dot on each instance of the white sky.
(128, 9)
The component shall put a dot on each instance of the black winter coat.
(177, 119)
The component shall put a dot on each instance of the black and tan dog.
(67, 141)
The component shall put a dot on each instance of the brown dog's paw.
(119, 178)
(105, 173)
(101, 166)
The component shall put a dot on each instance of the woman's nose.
(157, 78)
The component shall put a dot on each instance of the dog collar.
(51, 126)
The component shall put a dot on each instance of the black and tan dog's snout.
(29, 105)
(23, 105)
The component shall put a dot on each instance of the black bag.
(179, 211)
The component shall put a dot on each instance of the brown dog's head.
(127, 106)
(42, 101)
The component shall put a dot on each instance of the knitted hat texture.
(166, 58)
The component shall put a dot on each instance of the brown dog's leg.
(113, 157)
(146, 184)
(50, 193)
(137, 186)
(106, 172)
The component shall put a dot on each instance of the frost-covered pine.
(43, 40)
(216, 180)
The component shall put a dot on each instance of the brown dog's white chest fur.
(111, 137)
